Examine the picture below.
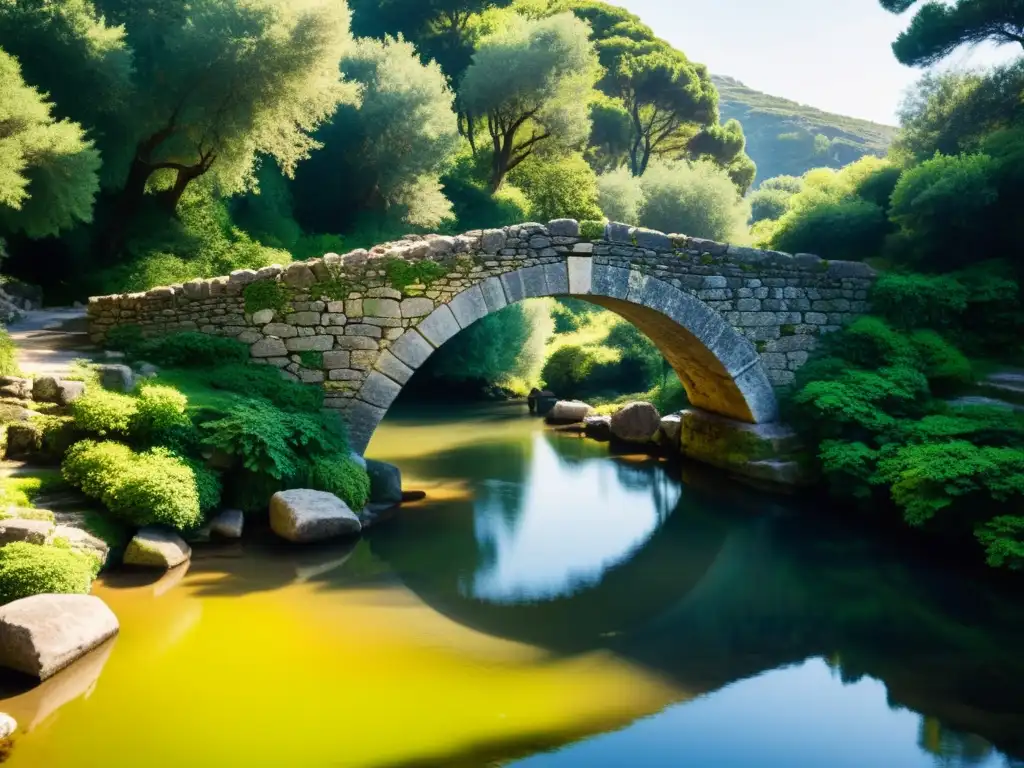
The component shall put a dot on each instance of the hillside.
(784, 137)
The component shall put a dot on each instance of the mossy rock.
(46, 438)
(733, 445)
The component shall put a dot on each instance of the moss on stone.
(707, 259)
(401, 274)
(265, 294)
(592, 230)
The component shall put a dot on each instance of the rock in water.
(569, 412)
(636, 423)
(670, 430)
(42, 634)
(155, 547)
(228, 524)
(305, 516)
(385, 482)
(598, 428)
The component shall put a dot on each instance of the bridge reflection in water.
(706, 584)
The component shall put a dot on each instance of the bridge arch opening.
(719, 368)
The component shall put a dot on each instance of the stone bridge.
(732, 321)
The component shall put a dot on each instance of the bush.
(914, 301)
(768, 204)
(101, 412)
(945, 366)
(558, 188)
(194, 350)
(619, 197)
(32, 569)
(8, 354)
(265, 294)
(274, 442)
(159, 408)
(566, 370)
(203, 385)
(697, 199)
(344, 478)
(125, 338)
(848, 230)
(141, 488)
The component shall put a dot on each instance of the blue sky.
(831, 54)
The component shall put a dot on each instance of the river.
(549, 605)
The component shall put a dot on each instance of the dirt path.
(50, 340)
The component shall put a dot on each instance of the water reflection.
(566, 529)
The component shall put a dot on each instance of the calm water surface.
(550, 605)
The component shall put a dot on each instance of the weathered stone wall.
(343, 314)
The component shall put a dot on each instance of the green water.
(549, 605)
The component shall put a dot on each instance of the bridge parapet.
(339, 320)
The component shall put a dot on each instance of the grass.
(23, 490)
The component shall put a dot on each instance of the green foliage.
(270, 441)
(529, 86)
(401, 273)
(265, 294)
(913, 300)
(620, 196)
(1003, 539)
(48, 169)
(344, 478)
(488, 351)
(158, 409)
(938, 29)
(850, 230)
(125, 338)
(32, 569)
(942, 207)
(141, 488)
(193, 350)
(314, 360)
(219, 387)
(104, 413)
(8, 354)
(592, 230)
(558, 188)
(566, 370)
(945, 366)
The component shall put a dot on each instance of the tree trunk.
(110, 240)
(168, 199)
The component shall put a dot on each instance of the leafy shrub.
(558, 187)
(1003, 540)
(592, 230)
(32, 569)
(251, 491)
(915, 301)
(849, 230)
(271, 441)
(159, 408)
(194, 350)
(344, 478)
(8, 354)
(140, 488)
(619, 197)
(265, 294)
(870, 343)
(566, 369)
(101, 412)
(401, 273)
(945, 366)
(201, 385)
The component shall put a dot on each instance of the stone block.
(492, 240)
(439, 326)
(581, 271)
(303, 318)
(412, 349)
(309, 344)
(381, 308)
(298, 275)
(494, 294)
(271, 347)
(393, 368)
(416, 307)
(355, 342)
(262, 317)
(281, 330)
(469, 306)
(117, 378)
(557, 278)
(337, 359)
(652, 239)
(364, 329)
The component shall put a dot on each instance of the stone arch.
(719, 368)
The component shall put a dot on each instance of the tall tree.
(939, 28)
(387, 154)
(48, 169)
(531, 83)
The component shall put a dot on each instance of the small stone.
(117, 378)
(598, 428)
(83, 541)
(228, 524)
(569, 412)
(8, 725)
(262, 317)
(564, 228)
(281, 330)
(154, 547)
(45, 389)
(417, 307)
(385, 482)
(69, 391)
(272, 347)
(304, 516)
(636, 423)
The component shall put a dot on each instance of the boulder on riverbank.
(42, 634)
(83, 541)
(154, 547)
(569, 412)
(385, 482)
(598, 428)
(635, 423)
(30, 531)
(304, 516)
(228, 524)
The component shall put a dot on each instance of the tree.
(620, 195)
(559, 187)
(387, 153)
(48, 169)
(939, 28)
(531, 83)
(220, 82)
(695, 198)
